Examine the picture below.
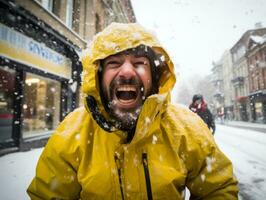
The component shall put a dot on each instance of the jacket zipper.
(119, 170)
(147, 175)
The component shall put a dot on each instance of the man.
(130, 142)
(199, 106)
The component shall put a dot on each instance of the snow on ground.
(16, 172)
(244, 147)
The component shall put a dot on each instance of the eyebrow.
(121, 54)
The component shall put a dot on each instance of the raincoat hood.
(116, 38)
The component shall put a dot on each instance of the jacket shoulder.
(72, 122)
(185, 122)
(65, 142)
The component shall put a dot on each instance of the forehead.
(140, 51)
(123, 54)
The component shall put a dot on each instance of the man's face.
(126, 82)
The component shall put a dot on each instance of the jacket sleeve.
(214, 179)
(210, 172)
(55, 177)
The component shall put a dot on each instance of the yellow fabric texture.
(79, 162)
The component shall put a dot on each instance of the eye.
(112, 64)
(142, 63)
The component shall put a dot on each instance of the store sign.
(21, 48)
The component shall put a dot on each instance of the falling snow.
(154, 139)
(157, 63)
(162, 58)
(141, 70)
(209, 162)
(73, 86)
(202, 176)
(77, 137)
(147, 120)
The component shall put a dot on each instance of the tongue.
(128, 95)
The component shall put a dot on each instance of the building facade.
(242, 108)
(227, 85)
(256, 58)
(40, 43)
(218, 83)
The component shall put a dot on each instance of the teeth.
(126, 88)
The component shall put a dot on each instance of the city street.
(244, 147)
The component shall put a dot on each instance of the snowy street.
(244, 147)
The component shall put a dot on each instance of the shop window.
(41, 105)
(7, 90)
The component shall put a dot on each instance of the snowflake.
(141, 70)
(157, 63)
(77, 137)
(147, 120)
(162, 58)
(154, 139)
(209, 162)
(202, 176)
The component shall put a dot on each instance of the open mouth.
(127, 94)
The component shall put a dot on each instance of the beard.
(124, 116)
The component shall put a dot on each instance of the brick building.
(240, 79)
(256, 58)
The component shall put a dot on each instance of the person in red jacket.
(200, 107)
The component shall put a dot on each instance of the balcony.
(237, 81)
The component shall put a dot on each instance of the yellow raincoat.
(172, 148)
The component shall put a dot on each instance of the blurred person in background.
(200, 107)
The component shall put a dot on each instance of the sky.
(197, 32)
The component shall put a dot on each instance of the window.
(97, 23)
(41, 105)
(7, 90)
(69, 13)
(56, 7)
(48, 4)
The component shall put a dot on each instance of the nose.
(127, 70)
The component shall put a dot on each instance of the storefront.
(39, 84)
(241, 108)
(258, 106)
